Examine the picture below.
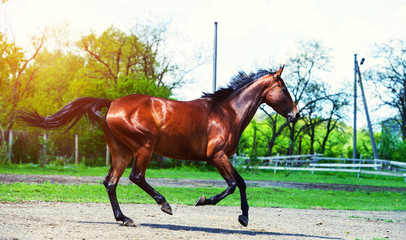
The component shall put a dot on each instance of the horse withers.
(205, 129)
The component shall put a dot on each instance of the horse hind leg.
(142, 157)
(111, 182)
(121, 157)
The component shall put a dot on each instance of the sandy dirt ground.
(54, 220)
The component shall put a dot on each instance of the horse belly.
(189, 145)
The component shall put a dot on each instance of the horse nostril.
(297, 115)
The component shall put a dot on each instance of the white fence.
(317, 162)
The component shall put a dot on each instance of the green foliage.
(128, 85)
(93, 148)
(339, 141)
(52, 83)
(11, 58)
(391, 146)
(3, 153)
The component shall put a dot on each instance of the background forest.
(117, 63)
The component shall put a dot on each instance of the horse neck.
(246, 101)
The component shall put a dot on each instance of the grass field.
(211, 173)
(259, 197)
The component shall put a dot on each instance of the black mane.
(237, 82)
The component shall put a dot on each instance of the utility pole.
(354, 135)
(371, 133)
(215, 58)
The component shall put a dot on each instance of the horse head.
(278, 97)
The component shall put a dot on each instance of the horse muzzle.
(293, 117)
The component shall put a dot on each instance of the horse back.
(177, 129)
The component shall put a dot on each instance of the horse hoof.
(166, 208)
(243, 220)
(200, 201)
(129, 223)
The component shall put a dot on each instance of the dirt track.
(43, 220)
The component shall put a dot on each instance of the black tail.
(70, 113)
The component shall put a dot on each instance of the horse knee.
(110, 187)
(137, 178)
(231, 187)
(241, 185)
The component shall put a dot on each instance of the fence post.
(76, 149)
(10, 145)
(107, 155)
(44, 151)
(377, 168)
(359, 168)
(276, 164)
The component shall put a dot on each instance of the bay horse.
(205, 129)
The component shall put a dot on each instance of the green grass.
(258, 197)
(211, 173)
(70, 170)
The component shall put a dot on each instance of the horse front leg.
(243, 219)
(233, 180)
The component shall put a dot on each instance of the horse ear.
(279, 72)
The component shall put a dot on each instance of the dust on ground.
(55, 220)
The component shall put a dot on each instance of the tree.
(110, 65)
(276, 124)
(389, 76)
(310, 58)
(317, 103)
(305, 90)
(119, 61)
(313, 109)
(15, 81)
(391, 146)
(15, 75)
(337, 103)
(10, 57)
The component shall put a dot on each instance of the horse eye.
(284, 90)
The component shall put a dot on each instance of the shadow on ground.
(229, 231)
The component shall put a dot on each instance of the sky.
(251, 34)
